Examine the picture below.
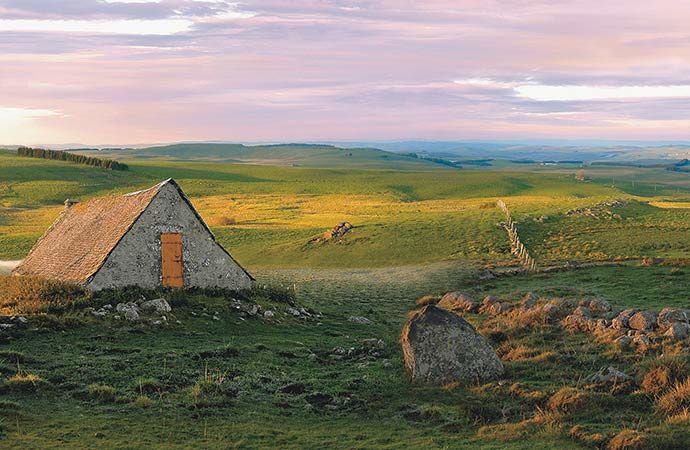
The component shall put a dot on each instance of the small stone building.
(149, 238)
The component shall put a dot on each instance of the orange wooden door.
(171, 260)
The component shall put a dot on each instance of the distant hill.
(307, 155)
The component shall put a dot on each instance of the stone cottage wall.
(137, 258)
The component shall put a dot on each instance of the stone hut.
(151, 238)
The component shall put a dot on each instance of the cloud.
(145, 27)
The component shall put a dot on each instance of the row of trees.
(71, 157)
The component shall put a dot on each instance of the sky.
(143, 71)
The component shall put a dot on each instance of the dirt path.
(7, 266)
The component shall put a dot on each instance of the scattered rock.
(600, 306)
(130, 311)
(608, 376)
(622, 321)
(360, 320)
(678, 331)
(529, 300)
(458, 301)
(158, 306)
(269, 314)
(668, 316)
(487, 303)
(440, 347)
(643, 321)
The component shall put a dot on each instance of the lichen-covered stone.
(458, 302)
(440, 347)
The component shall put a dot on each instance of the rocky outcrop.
(334, 234)
(440, 347)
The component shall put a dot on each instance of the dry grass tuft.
(34, 295)
(628, 440)
(428, 300)
(579, 434)
(25, 382)
(676, 400)
(663, 373)
(566, 400)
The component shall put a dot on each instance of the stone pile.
(636, 328)
(333, 234)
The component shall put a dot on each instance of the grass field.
(419, 231)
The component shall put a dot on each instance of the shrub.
(25, 382)
(102, 392)
(676, 400)
(628, 440)
(33, 295)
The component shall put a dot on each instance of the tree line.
(71, 157)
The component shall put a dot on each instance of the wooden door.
(171, 260)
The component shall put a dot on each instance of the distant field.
(266, 214)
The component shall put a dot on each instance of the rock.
(583, 312)
(359, 320)
(374, 343)
(386, 363)
(623, 341)
(158, 306)
(552, 312)
(600, 306)
(529, 300)
(216, 318)
(608, 376)
(487, 303)
(622, 321)
(458, 301)
(440, 347)
(269, 314)
(293, 312)
(499, 308)
(668, 316)
(678, 331)
(129, 311)
(643, 321)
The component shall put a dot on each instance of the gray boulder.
(158, 305)
(130, 311)
(440, 347)
(458, 301)
(608, 376)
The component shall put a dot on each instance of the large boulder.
(459, 302)
(158, 305)
(440, 347)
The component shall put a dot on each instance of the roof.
(75, 247)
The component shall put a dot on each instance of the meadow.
(247, 382)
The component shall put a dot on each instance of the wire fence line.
(517, 248)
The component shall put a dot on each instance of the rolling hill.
(306, 155)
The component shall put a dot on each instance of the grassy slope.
(405, 218)
(282, 155)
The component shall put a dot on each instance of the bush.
(102, 392)
(25, 382)
(34, 295)
(676, 400)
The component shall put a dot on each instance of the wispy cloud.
(156, 70)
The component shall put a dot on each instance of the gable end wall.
(136, 260)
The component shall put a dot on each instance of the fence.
(517, 248)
